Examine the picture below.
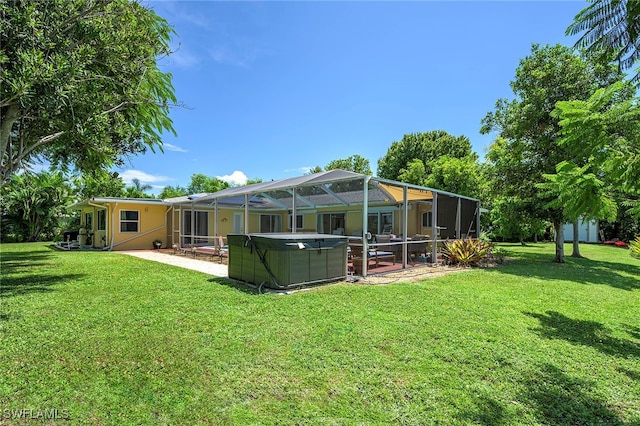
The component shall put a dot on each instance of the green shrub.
(634, 246)
(468, 252)
(498, 254)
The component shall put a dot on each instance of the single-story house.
(331, 202)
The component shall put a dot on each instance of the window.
(331, 223)
(129, 221)
(270, 223)
(378, 222)
(201, 226)
(299, 222)
(102, 220)
(88, 221)
(427, 219)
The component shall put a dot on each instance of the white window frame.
(137, 222)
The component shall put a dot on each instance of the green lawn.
(112, 339)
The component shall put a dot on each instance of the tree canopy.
(202, 183)
(610, 25)
(99, 184)
(355, 163)
(426, 147)
(604, 129)
(79, 83)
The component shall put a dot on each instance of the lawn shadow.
(578, 270)
(633, 375)
(236, 285)
(633, 330)
(22, 273)
(561, 399)
(13, 262)
(26, 284)
(554, 325)
(486, 411)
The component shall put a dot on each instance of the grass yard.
(106, 338)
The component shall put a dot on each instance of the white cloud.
(173, 147)
(235, 178)
(301, 170)
(128, 176)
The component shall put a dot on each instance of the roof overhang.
(104, 201)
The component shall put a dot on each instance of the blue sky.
(274, 88)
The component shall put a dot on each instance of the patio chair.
(375, 256)
(387, 229)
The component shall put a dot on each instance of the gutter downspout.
(113, 228)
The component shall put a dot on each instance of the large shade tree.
(530, 134)
(80, 86)
(426, 148)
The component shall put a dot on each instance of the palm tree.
(137, 190)
(610, 25)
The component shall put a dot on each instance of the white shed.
(588, 232)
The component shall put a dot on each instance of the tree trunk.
(557, 227)
(576, 240)
(522, 242)
(535, 238)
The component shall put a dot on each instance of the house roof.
(103, 200)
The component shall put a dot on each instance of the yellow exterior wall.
(225, 221)
(151, 226)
